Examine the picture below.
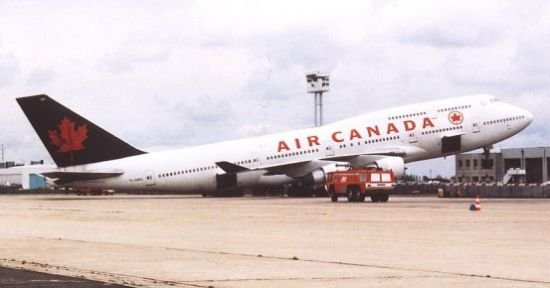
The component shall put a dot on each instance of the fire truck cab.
(358, 183)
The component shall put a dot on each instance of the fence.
(472, 190)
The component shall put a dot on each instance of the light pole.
(317, 83)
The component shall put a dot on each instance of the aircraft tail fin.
(70, 138)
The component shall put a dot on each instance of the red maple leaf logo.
(455, 117)
(69, 138)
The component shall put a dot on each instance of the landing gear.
(226, 193)
(487, 162)
(299, 191)
(320, 192)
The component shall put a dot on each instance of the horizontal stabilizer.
(67, 177)
(230, 167)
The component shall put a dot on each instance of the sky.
(172, 74)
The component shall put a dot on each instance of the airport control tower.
(317, 83)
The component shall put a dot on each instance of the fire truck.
(358, 183)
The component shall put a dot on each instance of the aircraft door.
(329, 151)
(413, 138)
(149, 178)
(256, 159)
(476, 128)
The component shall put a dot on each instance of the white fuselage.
(415, 131)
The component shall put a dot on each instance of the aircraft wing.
(301, 169)
(230, 167)
(62, 177)
(395, 151)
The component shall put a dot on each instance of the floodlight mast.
(317, 83)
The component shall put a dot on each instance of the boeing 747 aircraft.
(88, 156)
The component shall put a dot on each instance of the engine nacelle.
(396, 164)
(314, 178)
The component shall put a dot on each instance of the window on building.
(460, 163)
(487, 163)
(467, 163)
(475, 163)
(475, 179)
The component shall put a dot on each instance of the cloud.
(9, 68)
(133, 55)
(41, 77)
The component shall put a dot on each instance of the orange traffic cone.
(476, 206)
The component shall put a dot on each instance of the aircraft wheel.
(299, 191)
(321, 192)
(293, 191)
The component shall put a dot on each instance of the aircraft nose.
(526, 115)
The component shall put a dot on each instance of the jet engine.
(314, 178)
(396, 164)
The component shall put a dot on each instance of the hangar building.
(475, 168)
(24, 176)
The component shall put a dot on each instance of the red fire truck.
(358, 183)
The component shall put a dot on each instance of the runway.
(189, 241)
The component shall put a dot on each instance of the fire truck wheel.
(349, 194)
(361, 197)
(353, 194)
(384, 198)
(375, 198)
(334, 198)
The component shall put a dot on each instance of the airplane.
(88, 156)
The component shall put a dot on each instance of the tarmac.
(190, 241)
(20, 278)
